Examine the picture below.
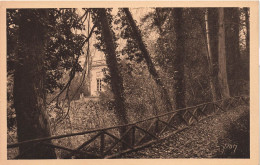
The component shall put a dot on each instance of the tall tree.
(178, 59)
(115, 77)
(246, 11)
(210, 58)
(213, 34)
(247, 59)
(29, 81)
(138, 38)
(222, 74)
(232, 24)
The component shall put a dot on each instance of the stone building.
(96, 75)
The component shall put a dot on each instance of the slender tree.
(232, 24)
(178, 58)
(138, 38)
(115, 77)
(222, 74)
(29, 79)
(213, 34)
(247, 15)
(210, 58)
(88, 62)
(246, 11)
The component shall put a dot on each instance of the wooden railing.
(139, 134)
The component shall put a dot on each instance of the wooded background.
(196, 55)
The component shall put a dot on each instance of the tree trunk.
(222, 74)
(210, 59)
(138, 38)
(232, 22)
(178, 59)
(116, 79)
(88, 61)
(29, 93)
(247, 30)
(213, 36)
(247, 59)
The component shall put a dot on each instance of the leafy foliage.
(131, 49)
(63, 48)
(196, 70)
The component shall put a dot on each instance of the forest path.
(222, 135)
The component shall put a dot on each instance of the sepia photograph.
(128, 83)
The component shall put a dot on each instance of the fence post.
(157, 126)
(133, 136)
(214, 108)
(245, 101)
(102, 143)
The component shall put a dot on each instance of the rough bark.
(210, 58)
(138, 38)
(222, 74)
(213, 35)
(246, 10)
(88, 61)
(116, 79)
(178, 59)
(232, 22)
(29, 92)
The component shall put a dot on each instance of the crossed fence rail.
(139, 134)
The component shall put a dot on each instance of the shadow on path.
(225, 135)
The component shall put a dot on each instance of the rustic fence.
(106, 143)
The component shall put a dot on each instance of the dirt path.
(224, 135)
